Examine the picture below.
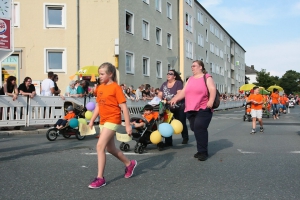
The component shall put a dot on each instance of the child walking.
(256, 101)
(110, 100)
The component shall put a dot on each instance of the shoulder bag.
(217, 98)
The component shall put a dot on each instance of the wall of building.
(147, 48)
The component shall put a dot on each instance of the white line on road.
(125, 153)
(294, 152)
(246, 152)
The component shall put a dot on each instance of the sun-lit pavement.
(241, 166)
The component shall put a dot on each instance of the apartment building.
(203, 38)
(140, 37)
(143, 38)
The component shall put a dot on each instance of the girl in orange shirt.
(275, 103)
(110, 100)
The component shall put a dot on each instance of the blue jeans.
(180, 115)
(275, 108)
(199, 122)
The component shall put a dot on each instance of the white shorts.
(256, 113)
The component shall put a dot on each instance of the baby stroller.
(142, 135)
(247, 115)
(292, 103)
(266, 110)
(67, 131)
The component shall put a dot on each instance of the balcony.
(232, 66)
(232, 81)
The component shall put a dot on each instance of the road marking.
(294, 152)
(246, 152)
(125, 153)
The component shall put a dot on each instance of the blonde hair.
(110, 68)
(200, 63)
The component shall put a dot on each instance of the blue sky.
(269, 30)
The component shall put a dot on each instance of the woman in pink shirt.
(199, 100)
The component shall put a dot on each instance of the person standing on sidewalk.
(199, 100)
(110, 100)
(257, 102)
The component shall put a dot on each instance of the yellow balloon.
(82, 121)
(177, 126)
(155, 137)
(88, 115)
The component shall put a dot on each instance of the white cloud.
(276, 58)
(295, 10)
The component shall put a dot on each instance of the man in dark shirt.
(27, 88)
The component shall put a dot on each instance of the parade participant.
(256, 101)
(110, 100)
(275, 103)
(284, 102)
(199, 100)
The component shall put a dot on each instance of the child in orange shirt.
(110, 100)
(284, 101)
(256, 101)
(275, 103)
(62, 122)
(148, 115)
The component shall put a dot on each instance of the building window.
(158, 5)
(55, 60)
(169, 41)
(212, 48)
(169, 67)
(189, 22)
(190, 2)
(206, 34)
(55, 16)
(158, 69)
(16, 14)
(146, 1)
(129, 63)
(200, 17)
(146, 64)
(200, 40)
(158, 36)
(129, 22)
(212, 29)
(221, 54)
(221, 36)
(169, 10)
(206, 57)
(189, 49)
(145, 30)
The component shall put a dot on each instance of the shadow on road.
(218, 145)
(152, 163)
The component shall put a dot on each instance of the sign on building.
(6, 31)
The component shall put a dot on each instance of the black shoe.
(261, 129)
(202, 156)
(198, 154)
(185, 141)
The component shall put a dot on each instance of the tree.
(290, 82)
(265, 80)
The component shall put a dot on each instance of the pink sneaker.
(97, 183)
(130, 169)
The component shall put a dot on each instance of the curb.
(20, 132)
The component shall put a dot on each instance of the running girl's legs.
(254, 123)
(106, 140)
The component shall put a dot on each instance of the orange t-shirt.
(95, 90)
(108, 98)
(248, 110)
(151, 116)
(283, 100)
(69, 116)
(258, 98)
(275, 98)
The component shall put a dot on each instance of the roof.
(249, 70)
(218, 24)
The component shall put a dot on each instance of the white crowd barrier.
(42, 110)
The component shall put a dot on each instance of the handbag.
(217, 98)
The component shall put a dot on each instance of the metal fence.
(42, 110)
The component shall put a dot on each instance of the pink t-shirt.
(196, 94)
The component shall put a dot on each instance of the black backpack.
(217, 98)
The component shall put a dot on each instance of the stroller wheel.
(122, 146)
(244, 118)
(140, 149)
(126, 147)
(78, 136)
(51, 134)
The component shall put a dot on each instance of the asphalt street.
(240, 165)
